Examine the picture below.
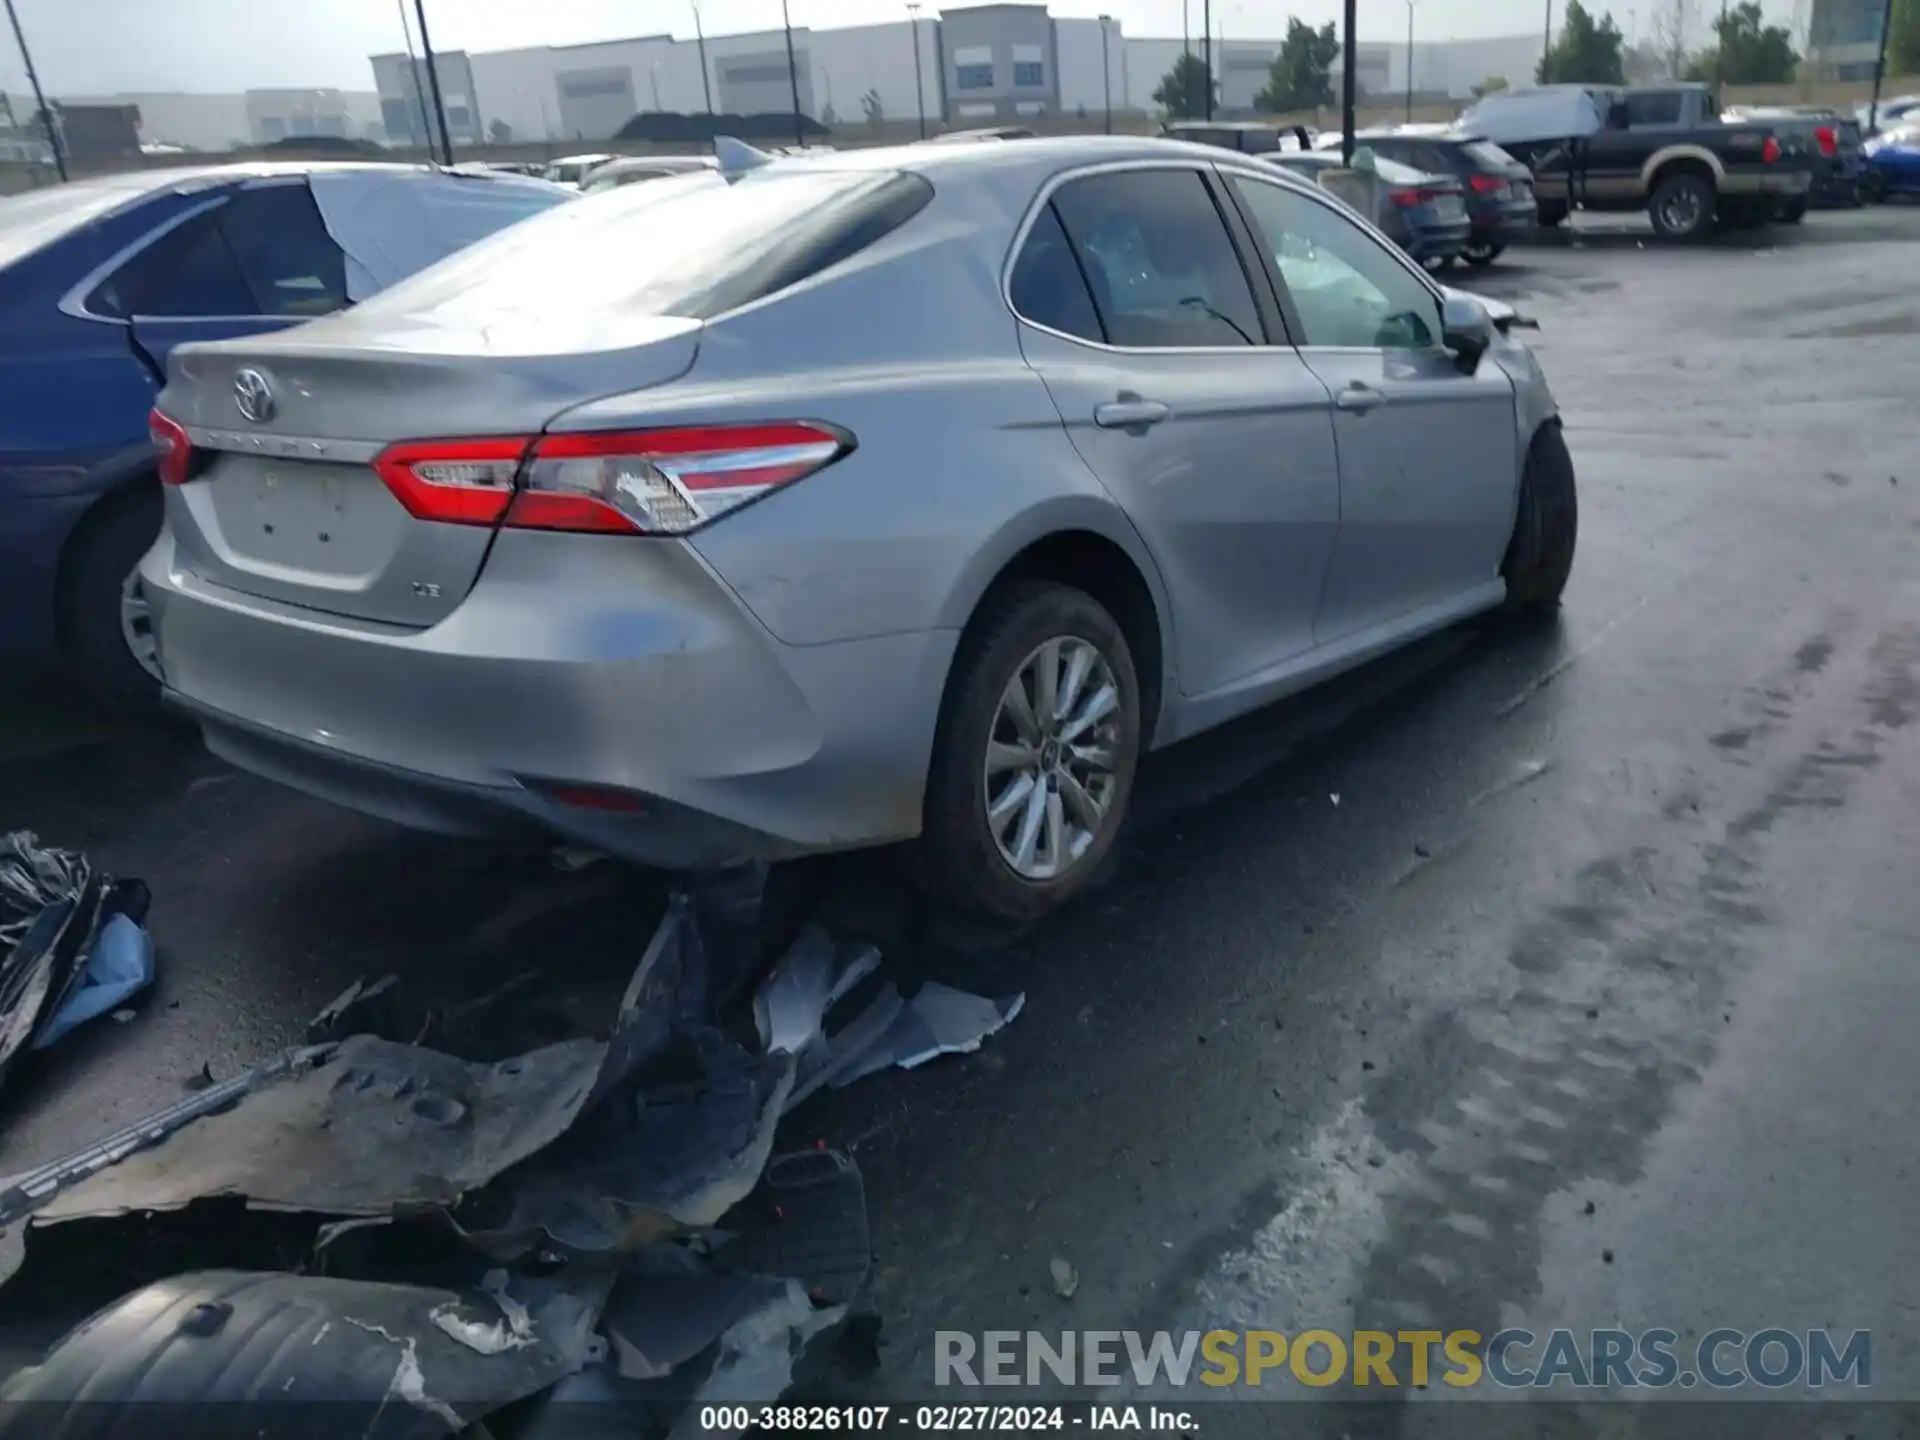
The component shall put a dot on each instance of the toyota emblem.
(253, 395)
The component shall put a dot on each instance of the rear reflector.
(173, 451)
(639, 482)
(595, 797)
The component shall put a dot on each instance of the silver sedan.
(831, 502)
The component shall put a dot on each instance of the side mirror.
(1466, 328)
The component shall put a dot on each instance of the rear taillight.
(1770, 152)
(1490, 184)
(1407, 199)
(457, 482)
(665, 482)
(173, 450)
(1827, 140)
(641, 482)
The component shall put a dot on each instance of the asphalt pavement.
(1549, 977)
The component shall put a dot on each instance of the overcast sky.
(93, 46)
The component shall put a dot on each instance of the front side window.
(1348, 290)
(1158, 259)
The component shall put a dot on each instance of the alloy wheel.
(136, 624)
(1051, 751)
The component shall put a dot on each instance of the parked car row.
(818, 502)
(100, 281)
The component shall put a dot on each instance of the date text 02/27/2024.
(942, 1419)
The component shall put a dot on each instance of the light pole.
(53, 130)
(1719, 50)
(1349, 79)
(1409, 62)
(1546, 48)
(706, 80)
(1106, 70)
(1206, 47)
(1879, 66)
(919, 88)
(433, 79)
(793, 77)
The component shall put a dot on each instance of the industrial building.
(971, 65)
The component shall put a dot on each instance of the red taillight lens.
(457, 482)
(1490, 184)
(1770, 152)
(1405, 199)
(1827, 140)
(642, 482)
(172, 449)
(665, 482)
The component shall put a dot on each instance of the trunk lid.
(285, 503)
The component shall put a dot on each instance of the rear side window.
(691, 246)
(288, 259)
(189, 271)
(1656, 107)
(1159, 260)
(263, 252)
(1048, 287)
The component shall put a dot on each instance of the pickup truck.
(1658, 148)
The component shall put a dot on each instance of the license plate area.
(1450, 207)
(302, 517)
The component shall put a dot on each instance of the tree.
(870, 106)
(1903, 40)
(1183, 90)
(1301, 76)
(1584, 53)
(1492, 85)
(1746, 50)
(1670, 26)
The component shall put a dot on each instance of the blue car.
(99, 281)
(1893, 157)
(1425, 214)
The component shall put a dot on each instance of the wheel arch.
(115, 483)
(1091, 549)
(1681, 159)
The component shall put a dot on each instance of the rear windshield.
(28, 222)
(692, 246)
(1394, 173)
(1489, 156)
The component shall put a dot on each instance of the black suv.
(1498, 188)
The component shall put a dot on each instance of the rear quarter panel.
(962, 459)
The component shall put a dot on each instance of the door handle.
(1128, 414)
(1358, 396)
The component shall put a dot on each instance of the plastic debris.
(119, 967)
(1066, 1279)
(32, 878)
(789, 1009)
(806, 1219)
(939, 1020)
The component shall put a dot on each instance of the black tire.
(1480, 255)
(962, 861)
(1550, 214)
(1540, 555)
(1794, 213)
(1873, 189)
(104, 550)
(1682, 206)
